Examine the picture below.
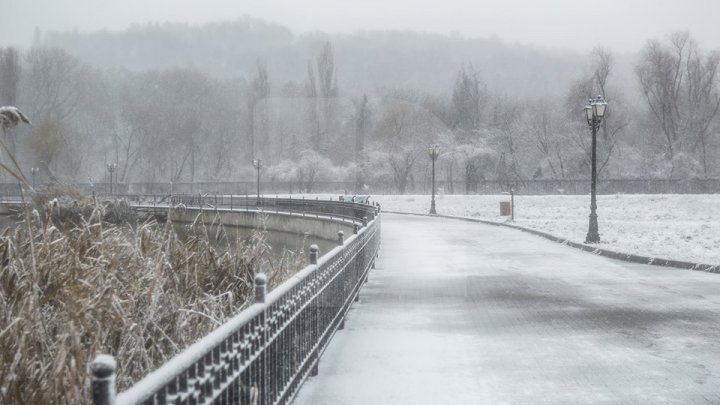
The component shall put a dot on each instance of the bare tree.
(477, 161)
(321, 92)
(257, 111)
(551, 140)
(311, 167)
(615, 120)
(327, 78)
(402, 134)
(362, 122)
(313, 119)
(680, 87)
(508, 139)
(10, 71)
(10, 117)
(54, 83)
(466, 99)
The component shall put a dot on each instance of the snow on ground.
(679, 227)
(461, 313)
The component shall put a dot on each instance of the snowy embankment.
(677, 227)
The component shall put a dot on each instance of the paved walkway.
(464, 313)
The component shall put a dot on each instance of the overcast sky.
(623, 25)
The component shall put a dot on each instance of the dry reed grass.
(73, 285)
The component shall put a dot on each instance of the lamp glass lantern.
(595, 109)
(599, 107)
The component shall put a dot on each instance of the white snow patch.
(678, 226)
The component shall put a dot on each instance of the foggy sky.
(623, 25)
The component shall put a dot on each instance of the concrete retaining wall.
(318, 227)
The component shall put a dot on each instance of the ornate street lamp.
(594, 112)
(258, 165)
(433, 152)
(111, 167)
(34, 171)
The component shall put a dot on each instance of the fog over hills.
(200, 102)
(368, 61)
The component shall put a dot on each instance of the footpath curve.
(627, 257)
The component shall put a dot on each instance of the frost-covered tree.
(257, 109)
(53, 83)
(10, 117)
(402, 135)
(311, 167)
(321, 91)
(680, 86)
(362, 124)
(465, 107)
(10, 71)
(597, 81)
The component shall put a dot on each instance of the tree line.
(185, 124)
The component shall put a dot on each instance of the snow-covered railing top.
(348, 210)
(263, 354)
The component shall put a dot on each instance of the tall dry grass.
(73, 285)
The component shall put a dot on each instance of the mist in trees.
(360, 109)
(680, 86)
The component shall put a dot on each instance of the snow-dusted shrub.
(138, 292)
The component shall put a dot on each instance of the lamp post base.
(432, 208)
(593, 236)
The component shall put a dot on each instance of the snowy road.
(464, 313)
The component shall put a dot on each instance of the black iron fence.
(304, 206)
(263, 354)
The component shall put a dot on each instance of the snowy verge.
(588, 248)
(685, 228)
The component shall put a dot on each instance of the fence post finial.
(102, 370)
(356, 228)
(364, 221)
(341, 238)
(260, 288)
(313, 254)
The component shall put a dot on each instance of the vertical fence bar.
(260, 288)
(103, 380)
(316, 315)
(262, 372)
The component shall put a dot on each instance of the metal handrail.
(355, 212)
(263, 354)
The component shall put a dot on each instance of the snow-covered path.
(464, 313)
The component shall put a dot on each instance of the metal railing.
(263, 354)
(306, 207)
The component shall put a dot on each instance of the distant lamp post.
(594, 112)
(111, 167)
(34, 171)
(433, 152)
(258, 165)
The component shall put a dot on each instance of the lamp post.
(594, 112)
(34, 171)
(258, 165)
(433, 152)
(111, 167)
